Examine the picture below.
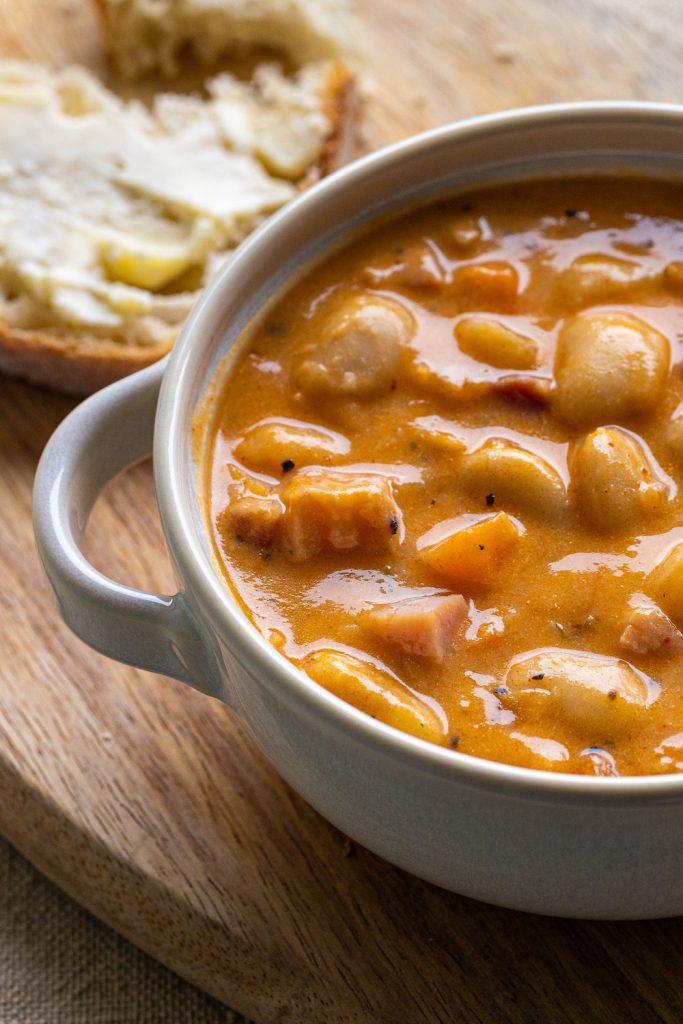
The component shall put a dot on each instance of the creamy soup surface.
(445, 478)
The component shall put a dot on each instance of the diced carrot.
(470, 551)
(490, 285)
(673, 277)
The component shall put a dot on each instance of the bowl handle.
(104, 435)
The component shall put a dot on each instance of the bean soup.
(445, 477)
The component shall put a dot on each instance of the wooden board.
(146, 801)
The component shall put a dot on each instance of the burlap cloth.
(58, 965)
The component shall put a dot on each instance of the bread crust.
(79, 364)
(73, 365)
(342, 112)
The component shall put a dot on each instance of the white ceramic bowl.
(556, 844)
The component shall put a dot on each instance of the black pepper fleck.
(490, 498)
(612, 694)
(287, 465)
(571, 213)
(454, 741)
(481, 547)
(539, 675)
(393, 524)
(499, 691)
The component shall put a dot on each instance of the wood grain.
(147, 802)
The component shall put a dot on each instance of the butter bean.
(608, 366)
(617, 481)
(597, 696)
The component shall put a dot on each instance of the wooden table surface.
(147, 802)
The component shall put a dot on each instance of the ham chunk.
(253, 518)
(649, 630)
(422, 627)
(339, 511)
(416, 270)
(524, 389)
(467, 232)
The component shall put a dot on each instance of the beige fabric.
(58, 965)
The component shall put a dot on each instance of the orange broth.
(330, 540)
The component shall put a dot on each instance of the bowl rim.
(176, 506)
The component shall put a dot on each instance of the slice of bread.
(113, 216)
(145, 36)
